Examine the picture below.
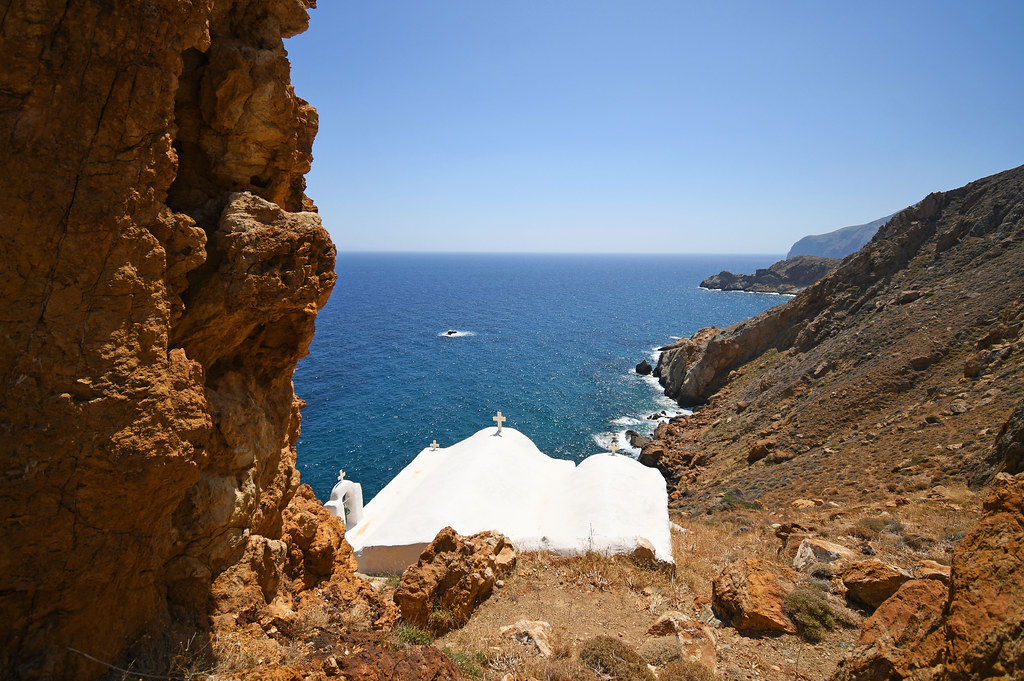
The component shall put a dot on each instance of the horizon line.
(341, 252)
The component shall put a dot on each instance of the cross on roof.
(614, 446)
(433, 445)
(499, 419)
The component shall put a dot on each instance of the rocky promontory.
(788, 276)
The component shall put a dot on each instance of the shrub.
(875, 525)
(467, 664)
(810, 612)
(441, 621)
(734, 499)
(820, 570)
(407, 633)
(612, 657)
(567, 670)
(685, 670)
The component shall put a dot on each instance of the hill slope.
(840, 243)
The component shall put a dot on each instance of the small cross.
(499, 419)
(613, 447)
(433, 445)
(341, 475)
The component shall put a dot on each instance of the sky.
(604, 126)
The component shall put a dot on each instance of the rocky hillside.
(786, 276)
(839, 243)
(899, 376)
(163, 270)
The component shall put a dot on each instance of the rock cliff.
(940, 256)
(839, 243)
(791, 275)
(163, 270)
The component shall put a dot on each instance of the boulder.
(905, 297)
(695, 640)
(534, 631)
(636, 440)
(820, 551)
(1009, 448)
(983, 620)
(644, 368)
(749, 594)
(929, 569)
(969, 630)
(872, 582)
(651, 455)
(758, 449)
(453, 575)
(901, 623)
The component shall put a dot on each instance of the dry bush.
(612, 658)
(685, 670)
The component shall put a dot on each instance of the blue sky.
(649, 126)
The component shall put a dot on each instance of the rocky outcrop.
(453, 575)
(972, 629)
(1009, 447)
(162, 276)
(786, 276)
(872, 582)
(749, 594)
(900, 624)
(839, 243)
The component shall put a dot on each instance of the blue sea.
(549, 340)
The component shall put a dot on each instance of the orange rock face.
(160, 283)
(968, 630)
(453, 575)
(749, 595)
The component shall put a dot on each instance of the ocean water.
(549, 340)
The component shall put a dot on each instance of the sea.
(413, 348)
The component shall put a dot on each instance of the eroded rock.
(871, 581)
(453, 575)
(749, 595)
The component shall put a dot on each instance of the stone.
(800, 504)
(748, 594)
(643, 554)
(758, 449)
(871, 581)
(535, 631)
(695, 640)
(644, 368)
(969, 630)
(1008, 453)
(900, 624)
(929, 569)
(813, 550)
(453, 575)
(905, 297)
(636, 440)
